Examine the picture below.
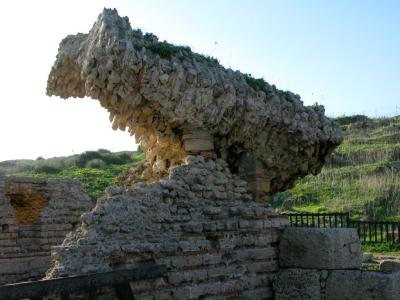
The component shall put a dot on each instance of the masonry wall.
(325, 264)
(35, 214)
(201, 222)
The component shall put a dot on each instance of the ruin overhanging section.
(163, 94)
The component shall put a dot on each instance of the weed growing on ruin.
(167, 50)
(256, 83)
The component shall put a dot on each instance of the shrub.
(346, 120)
(166, 50)
(256, 83)
(82, 160)
(47, 169)
(96, 163)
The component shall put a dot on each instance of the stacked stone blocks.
(25, 244)
(325, 263)
(201, 222)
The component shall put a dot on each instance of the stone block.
(390, 265)
(363, 285)
(297, 284)
(198, 140)
(320, 248)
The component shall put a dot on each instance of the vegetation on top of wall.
(256, 83)
(167, 50)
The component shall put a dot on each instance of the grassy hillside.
(95, 169)
(362, 176)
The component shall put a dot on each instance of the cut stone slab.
(362, 285)
(297, 284)
(390, 265)
(320, 248)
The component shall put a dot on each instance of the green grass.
(361, 177)
(384, 248)
(167, 50)
(94, 179)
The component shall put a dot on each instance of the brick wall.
(35, 214)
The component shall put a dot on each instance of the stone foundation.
(325, 263)
(201, 222)
(35, 214)
(314, 284)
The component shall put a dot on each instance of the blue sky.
(342, 54)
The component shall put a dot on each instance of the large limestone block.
(362, 285)
(297, 284)
(320, 248)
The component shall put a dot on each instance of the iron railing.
(368, 231)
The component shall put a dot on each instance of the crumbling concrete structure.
(216, 141)
(177, 102)
(201, 223)
(35, 214)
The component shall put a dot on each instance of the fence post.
(398, 232)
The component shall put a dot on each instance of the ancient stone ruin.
(177, 102)
(35, 214)
(217, 143)
(325, 263)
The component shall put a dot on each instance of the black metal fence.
(377, 232)
(368, 231)
(319, 219)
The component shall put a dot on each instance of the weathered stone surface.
(367, 257)
(215, 242)
(336, 284)
(362, 285)
(292, 284)
(35, 214)
(320, 248)
(159, 91)
(390, 265)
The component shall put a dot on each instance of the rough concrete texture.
(161, 93)
(299, 284)
(336, 285)
(35, 214)
(362, 285)
(320, 248)
(390, 265)
(200, 222)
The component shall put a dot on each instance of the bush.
(47, 169)
(96, 163)
(346, 120)
(82, 160)
(256, 83)
(166, 50)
